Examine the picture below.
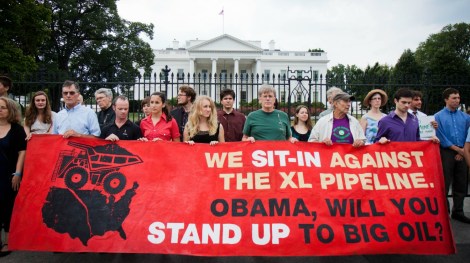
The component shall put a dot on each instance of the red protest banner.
(259, 199)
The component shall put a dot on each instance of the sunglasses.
(66, 93)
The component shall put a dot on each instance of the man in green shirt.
(267, 123)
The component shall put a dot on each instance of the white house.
(226, 55)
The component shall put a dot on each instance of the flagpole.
(223, 20)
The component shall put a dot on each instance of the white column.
(236, 72)
(214, 71)
(235, 67)
(191, 68)
(258, 72)
(214, 66)
(258, 67)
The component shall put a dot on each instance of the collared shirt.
(452, 127)
(106, 117)
(79, 118)
(233, 125)
(162, 130)
(393, 128)
(264, 126)
(417, 113)
(128, 131)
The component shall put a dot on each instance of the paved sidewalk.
(461, 235)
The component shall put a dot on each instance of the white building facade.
(227, 56)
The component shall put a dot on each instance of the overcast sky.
(359, 32)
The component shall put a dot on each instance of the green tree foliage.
(445, 59)
(447, 54)
(345, 77)
(23, 28)
(358, 82)
(90, 41)
(407, 70)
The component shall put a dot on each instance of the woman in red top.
(159, 125)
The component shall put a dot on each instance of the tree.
(445, 58)
(90, 40)
(344, 77)
(23, 29)
(447, 54)
(407, 70)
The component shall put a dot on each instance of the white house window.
(283, 75)
(267, 72)
(243, 96)
(180, 74)
(223, 75)
(282, 96)
(315, 75)
(243, 74)
(204, 74)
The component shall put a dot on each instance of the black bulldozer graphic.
(99, 165)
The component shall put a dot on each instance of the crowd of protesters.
(197, 120)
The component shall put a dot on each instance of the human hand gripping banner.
(231, 199)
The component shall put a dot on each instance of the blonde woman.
(38, 117)
(202, 125)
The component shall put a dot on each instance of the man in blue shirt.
(75, 120)
(452, 131)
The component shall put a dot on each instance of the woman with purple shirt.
(339, 126)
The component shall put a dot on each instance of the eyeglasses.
(182, 95)
(66, 93)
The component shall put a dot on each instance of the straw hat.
(372, 93)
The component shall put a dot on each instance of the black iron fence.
(294, 88)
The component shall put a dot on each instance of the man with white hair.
(330, 94)
(104, 98)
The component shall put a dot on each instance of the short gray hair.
(107, 92)
(331, 91)
(265, 88)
